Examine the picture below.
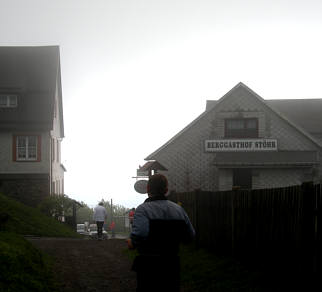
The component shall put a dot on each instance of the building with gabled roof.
(31, 123)
(243, 141)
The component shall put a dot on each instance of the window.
(53, 191)
(8, 100)
(58, 187)
(27, 148)
(55, 150)
(58, 151)
(241, 128)
(52, 149)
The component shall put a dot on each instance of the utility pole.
(111, 210)
(112, 224)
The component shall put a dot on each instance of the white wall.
(57, 172)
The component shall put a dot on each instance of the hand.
(129, 243)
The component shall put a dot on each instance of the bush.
(56, 206)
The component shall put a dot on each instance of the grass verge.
(202, 271)
(30, 221)
(23, 267)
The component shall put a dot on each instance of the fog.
(134, 73)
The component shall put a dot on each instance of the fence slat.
(283, 224)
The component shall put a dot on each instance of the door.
(242, 178)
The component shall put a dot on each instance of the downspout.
(51, 164)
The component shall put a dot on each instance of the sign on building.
(240, 145)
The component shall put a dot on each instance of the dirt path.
(89, 265)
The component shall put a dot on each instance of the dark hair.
(101, 203)
(157, 185)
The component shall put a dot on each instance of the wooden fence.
(280, 227)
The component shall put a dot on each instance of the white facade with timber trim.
(31, 123)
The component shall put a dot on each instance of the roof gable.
(241, 86)
(33, 74)
(212, 105)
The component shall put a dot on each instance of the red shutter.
(14, 147)
(39, 148)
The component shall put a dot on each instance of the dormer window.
(8, 100)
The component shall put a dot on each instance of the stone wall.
(27, 190)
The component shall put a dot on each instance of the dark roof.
(33, 73)
(278, 158)
(305, 113)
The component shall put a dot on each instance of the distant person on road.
(112, 228)
(99, 216)
(159, 227)
(131, 217)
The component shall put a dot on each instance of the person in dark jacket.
(159, 227)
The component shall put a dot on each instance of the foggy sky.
(134, 73)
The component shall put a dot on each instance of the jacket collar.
(155, 198)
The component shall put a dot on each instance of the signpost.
(142, 173)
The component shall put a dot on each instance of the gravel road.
(89, 265)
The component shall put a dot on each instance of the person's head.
(101, 203)
(157, 185)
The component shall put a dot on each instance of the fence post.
(196, 216)
(74, 223)
(308, 228)
(233, 195)
(318, 229)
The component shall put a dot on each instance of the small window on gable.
(8, 100)
(241, 128)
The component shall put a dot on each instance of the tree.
(116, 210)
(58, 206)
(117, 214)
(84, 214)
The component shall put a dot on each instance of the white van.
(93, 231)
(81, 228)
